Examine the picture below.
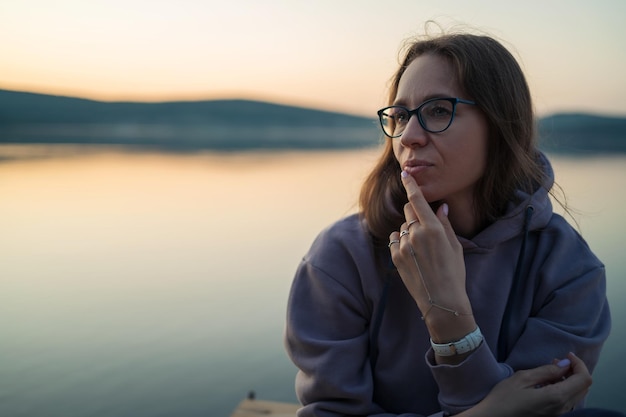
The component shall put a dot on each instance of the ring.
(410, 223)
(404, 232)
(392, 242)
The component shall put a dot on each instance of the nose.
(414, 134)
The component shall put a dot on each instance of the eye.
(439, 109)
(399, 115)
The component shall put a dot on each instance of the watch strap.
(464, 345)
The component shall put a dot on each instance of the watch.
(467, 344)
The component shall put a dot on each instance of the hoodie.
(356, 336)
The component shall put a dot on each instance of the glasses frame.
(417, 112)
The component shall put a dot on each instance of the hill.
(212, 124)
(582, 133)
(244, 124)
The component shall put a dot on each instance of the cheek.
(481, 154)
(475, 162)
(476, 150)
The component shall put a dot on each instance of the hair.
(491, 77)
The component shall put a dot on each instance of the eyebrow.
(425, 98)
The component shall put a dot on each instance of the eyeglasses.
(434, 115)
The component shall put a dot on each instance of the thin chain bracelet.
(430, 300)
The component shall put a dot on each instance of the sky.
(329, 54)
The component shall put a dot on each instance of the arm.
(327, 333)
(569, 311)
(549, 390)
(566, 310)
(571, 314)
(334, 380)
(326, 338)
(430, 261)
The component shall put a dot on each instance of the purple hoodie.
(336, 296)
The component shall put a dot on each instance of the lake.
(148, 284)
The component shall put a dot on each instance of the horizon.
(305, 107)
(326, 56)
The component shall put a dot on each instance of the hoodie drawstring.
(516, 286)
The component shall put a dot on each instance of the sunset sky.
(332, 54)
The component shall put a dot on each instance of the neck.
(464, 220)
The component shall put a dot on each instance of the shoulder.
(349, 227)
(558, 230)
(344, 249)
(346, 235)
(565, 251)
(340, 265)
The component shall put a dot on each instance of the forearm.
(463, 385)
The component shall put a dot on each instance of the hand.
(548, 390)
(430, 262)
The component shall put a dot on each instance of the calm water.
(155, 285)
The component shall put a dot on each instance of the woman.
(456, 274)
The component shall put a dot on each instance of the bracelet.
(430, 299)
(466, 344)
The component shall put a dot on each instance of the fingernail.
(445, 209)
(404, 174)
(563, 363)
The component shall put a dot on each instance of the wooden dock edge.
(251, 408)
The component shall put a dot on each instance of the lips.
(415, 166)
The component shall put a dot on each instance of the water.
(144, 284)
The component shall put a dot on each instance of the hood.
(511, 224)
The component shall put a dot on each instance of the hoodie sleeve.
(570, 311)
(563, 309)
(327, 339)
(327, 336)
(464, 385)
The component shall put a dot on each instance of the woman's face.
(448, 164)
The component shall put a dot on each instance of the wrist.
(444, 327)
(464, 345)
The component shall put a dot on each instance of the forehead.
(427, 76)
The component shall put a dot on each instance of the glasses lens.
(437, 115)
(393, 120)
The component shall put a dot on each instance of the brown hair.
(491, 77)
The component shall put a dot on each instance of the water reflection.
(149, 284)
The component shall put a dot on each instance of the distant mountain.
(583, 133)
(212, 124)
(242, 124)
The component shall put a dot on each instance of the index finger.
(416, 198)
